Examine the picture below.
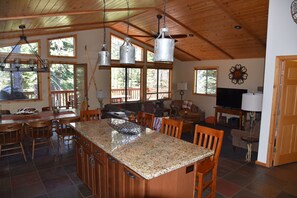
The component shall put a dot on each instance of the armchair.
(178, 108)
(237, 136)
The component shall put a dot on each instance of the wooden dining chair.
(64, 131)
(45, 109)
(172, 127)
(86, 115)
(40, 132)
(11, 136)
(211, 139)
(4, 112)
(145, 119)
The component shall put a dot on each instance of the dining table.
(44, 115)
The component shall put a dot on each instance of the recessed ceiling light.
(238, 27)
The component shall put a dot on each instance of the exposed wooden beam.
(239, 22)
(6, 18)
(196, 34)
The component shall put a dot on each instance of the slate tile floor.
(54, 175)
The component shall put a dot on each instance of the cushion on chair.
(187, 104)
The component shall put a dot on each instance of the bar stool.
(87, 115)
(40, 132)
(172, 127)
(64, 130)
(211, 139)
(145, 119)
(10, 139)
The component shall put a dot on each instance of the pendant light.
(127, 50)
(103, 55)
(164, 44)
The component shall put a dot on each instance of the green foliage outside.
(62, 47)
(23, 49)
(61, 77)
(149, 56)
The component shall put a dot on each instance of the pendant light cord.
(128, 16)
(164, 23)
(104, 28)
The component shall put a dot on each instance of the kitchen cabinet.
(133, 185)
(114, 181)
(99, 172)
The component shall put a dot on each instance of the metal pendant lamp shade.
(164, 48)
(127, 52)
(104, 56)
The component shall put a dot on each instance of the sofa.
(182, 107)
(237, 136)
(154, 107)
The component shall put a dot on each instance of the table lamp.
(101, 95)
(251, 102)
(183, 86)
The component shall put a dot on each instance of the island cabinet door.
(133, 184)
(114, 182)
(79, 161)
(99, 173)
(88, 168)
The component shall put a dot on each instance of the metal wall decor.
(238, 74)
(294, 10)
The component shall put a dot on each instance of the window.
(19, 85)
(62, 84)
(125, 84)
(62, 47)
(149, 56)
(158, 84)
(21, 49)
(205, 80)
(117, 42)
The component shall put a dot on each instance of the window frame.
(15, 55)
(61, 37)
(141, 83)
(157, 93)
(195, 79)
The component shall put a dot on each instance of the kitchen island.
(148, 164)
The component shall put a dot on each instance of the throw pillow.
(187, 104)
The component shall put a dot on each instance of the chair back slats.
(4, 112)
(209, 138)
(87, 115)
(40, 129)
(172, 127)
(145, 119)
(10, 133)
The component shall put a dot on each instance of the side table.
(249, 142)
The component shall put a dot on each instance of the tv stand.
(238, 112)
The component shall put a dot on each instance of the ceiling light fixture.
(103, 55)
(127, 50)
(16, 65)
(164, 44)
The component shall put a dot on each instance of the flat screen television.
(229, 98)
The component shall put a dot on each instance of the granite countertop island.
(149, 153)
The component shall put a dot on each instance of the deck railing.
(118, 95)
(63, 98)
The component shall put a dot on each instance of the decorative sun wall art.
(294, 10)
(238, 74)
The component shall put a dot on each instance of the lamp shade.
(127, 52)
(182, 86)
(101, 94)
(251, 102)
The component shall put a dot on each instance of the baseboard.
(261, 164)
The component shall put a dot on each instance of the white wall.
(184, 72)
(281, 40)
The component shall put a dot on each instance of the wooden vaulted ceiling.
(211, 22)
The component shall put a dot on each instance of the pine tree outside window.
(205, 82)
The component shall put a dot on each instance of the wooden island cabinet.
(113, 169)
